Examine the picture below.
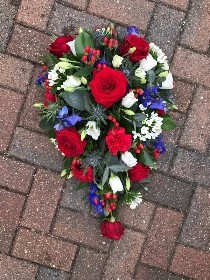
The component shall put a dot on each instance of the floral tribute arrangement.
(106, 105)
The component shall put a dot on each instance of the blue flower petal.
(133, 30)
(63, 112)
(58, 126)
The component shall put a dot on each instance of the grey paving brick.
(51, 274)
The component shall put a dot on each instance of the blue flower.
(73, 119)
(159, 144)
(59, 126)
(65, 120)
(40, 80)
(133, 30)
(151, 99)
(95, 199)
(93, 188)
(63, 113)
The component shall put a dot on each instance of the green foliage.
(50, 60)
(82, 40)
(46, 125)
(139, 117)
(168, 123)
(145, 158)
(85, 72)
(75, 99)
(150, 76)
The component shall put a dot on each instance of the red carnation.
(118, 141)
(112, 230)
(108, 86)
(59, 46)
(49, 97)
(141, 45)
(69, 142)
(138, 172)
(81, 174)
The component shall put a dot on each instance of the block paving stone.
(43, 249)
(191, 262)
(36, 149)
(165, 28)
(197, 28)
(193, 67)
(15, 175)
(162, 237)
(182, 4)
(89, 265)
(132, 13)
(80, 228)
(51, 274)
(119, 267)
(78, 4)
(40, 11)
(10, 209)
(168, 191)
(42, 201)
(28, 43)
(14, 72)
(10, 105)
(14, 269)
(196, 134)
(196, 228)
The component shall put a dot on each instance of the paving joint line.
(170, 6)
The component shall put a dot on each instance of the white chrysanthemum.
(135, 202)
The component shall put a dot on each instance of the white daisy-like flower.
(135, 202)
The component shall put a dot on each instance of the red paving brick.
(40, 9)
(162, 237)
(182, 4)
(182, 92)
(42, 201)
(191, 262)
(191, 66)
(197, 28)
(118, 266)
(28, 43)
(138, 218)
(43, 249)
(15, 175)
(13, 269)
(10, 106)
(131, 13)
(80, 228)
(10, 209)
(196, 134)
(14, 72)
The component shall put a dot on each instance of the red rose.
(59, 46)
(81, 174)
(118, 141)
(69, 142)
(141, 45)
(112, 230)
(138, 172)
(108, 86)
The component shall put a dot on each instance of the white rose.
(148, 63)
(117, 61)
(128, 159)
(129, 100)
(71, 82)
(168, 83)
(93, 130)
(71, 44)
(140, 73)
(115, 183)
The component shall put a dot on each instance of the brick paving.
(47, 232)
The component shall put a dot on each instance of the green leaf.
(127, 125)
(145, 158)
(83, 40)
(75, 99)
(107, 158)
(168, 123)
(105, 176)
(86, 71)
(46, 125)
(119, 168)
(150, 76)
(88, 102)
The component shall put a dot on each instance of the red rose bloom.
(118, 141)
(138, 172)
(79, 173)
(69, 142)
(112, 230)
(59, 46)
(141, 45)
(108, 86)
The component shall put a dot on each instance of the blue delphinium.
(41, 78)
(159, 144)
(95, 199)
(65, 120)
(133, 30)
(151, 99)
